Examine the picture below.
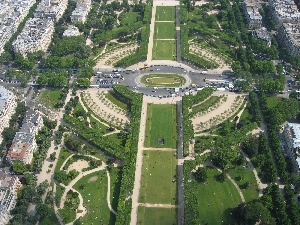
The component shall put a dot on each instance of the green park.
(158, 184)
(163, 80)
(161, 126)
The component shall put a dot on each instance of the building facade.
(9, 187)
(251, 11)
(289, 37)
(291, 134)
(81, 11)
(35, 36)
(24, 144)
(8, 105)
(12, 13)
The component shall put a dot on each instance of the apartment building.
(81, 11)
(263, 35)
(53, 9)
(253, 17)
(36, 35)
(289, 36)
(284, 11)
(8, 105)
(291, 134)
(71, 31)
(9, 187)
(12, 13)
(24, 143)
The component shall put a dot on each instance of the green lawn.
(157, 216)
(94, 198)
(161, 123)
(243, 175)
(58, 194)
(64, 153)
(245, 115)
(215, 200)
(158, 174)
(164, 50)
(273, 101)
(165, 13)
(164, 30)
(163, 80)
(50, 97)
(111, 97)
(212, 100)
(97, 125)
(129, 18)
(115, 184)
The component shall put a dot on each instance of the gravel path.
(150, 43)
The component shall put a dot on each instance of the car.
(157, 69)
(153, 91)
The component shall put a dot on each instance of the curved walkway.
(81, 202)
(261, 186)
(209, 163)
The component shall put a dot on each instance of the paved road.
(180, 158)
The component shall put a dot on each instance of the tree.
(201, 174)
(255, 212)
(52, 156)
(221, 177)
(42, 210)
(19, 167)
(41, 188)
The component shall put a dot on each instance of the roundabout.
(163, 80)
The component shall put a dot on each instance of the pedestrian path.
(168, 206)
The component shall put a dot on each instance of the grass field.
(94, 198)
(164, 50)
(158, 174)
(273, 101)
(161, 123)
(164, 30)
(163, 80)
(50, 97)
(215, 200)
(165, 13)
(129, 18)
(63, 155)
(157, 216)
(243, 175)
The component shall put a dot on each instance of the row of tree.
(187, 103)
(143, 39)
(275, 117)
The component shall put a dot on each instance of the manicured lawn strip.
(129, 18)
(165, 30)
(165, 13)
(215, 200)
(158, 174)
(63, 155)
(205, 105)
(51, 97)
(111, 97)
(165, 80)
(243, 175)
(58, 194)
(273, 101)
(157, 216)
(94, 198)
(115, 184)
(116, 138)
(97, 125)
(161, 123)
(245, 115)
(164, 50)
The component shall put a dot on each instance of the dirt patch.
(79, 165)
(93, 179)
